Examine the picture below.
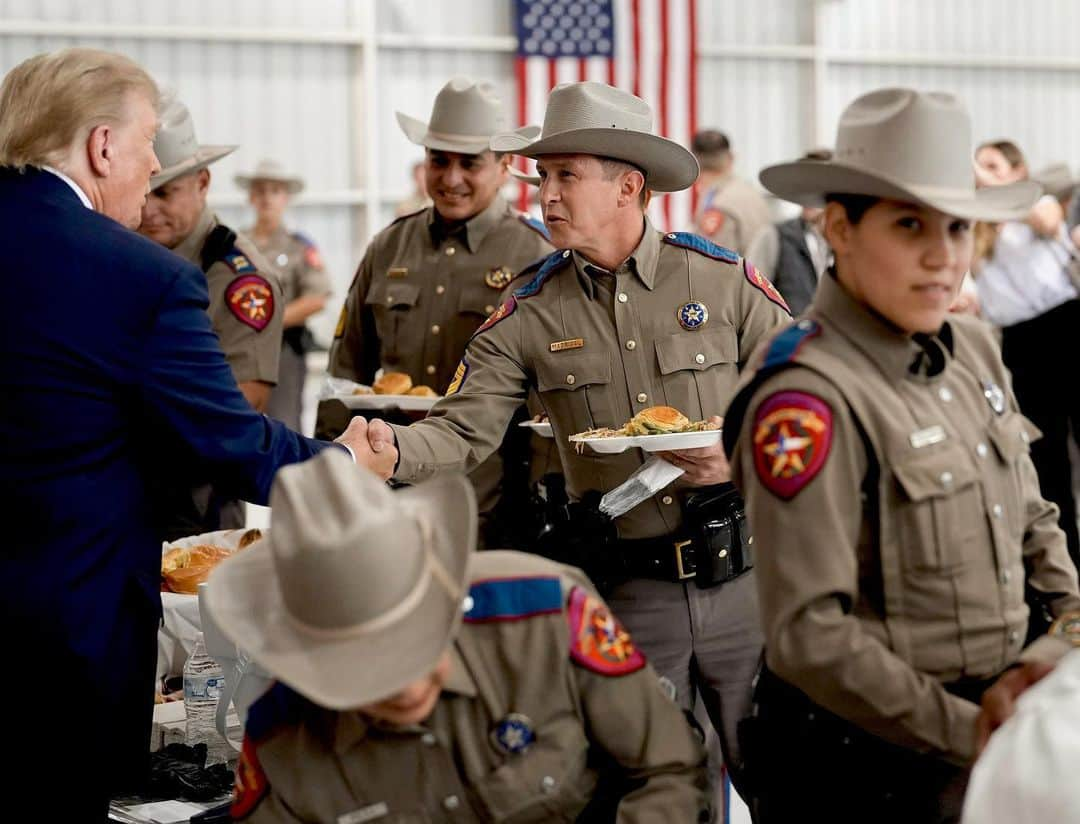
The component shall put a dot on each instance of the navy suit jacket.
(110, 375)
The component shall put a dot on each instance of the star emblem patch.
(792, 435)
(251, 300)
(693, 315)
(499, 278)
(513, 734)
(598, 641)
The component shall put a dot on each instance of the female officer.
(887, 474)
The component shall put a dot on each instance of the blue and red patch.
(598, 640)
(759, 281)
(792, 434)
(505, 310)
(513, 599)
(251, 300)
(703, 246)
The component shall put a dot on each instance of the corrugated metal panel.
(484, 18)
(763, 22)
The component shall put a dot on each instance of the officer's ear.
(837, 228)
(99, 149)
(632, 188)
(203, 181)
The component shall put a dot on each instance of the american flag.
(647, 47)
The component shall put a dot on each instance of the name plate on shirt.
(927, 437)
(563, 345)
(398, 272)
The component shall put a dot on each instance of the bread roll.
(249, 537)
(182, 570)
(423, 392)
(363, 390)
(393, 383)
(657, 420)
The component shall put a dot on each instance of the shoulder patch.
(512, 599)
(536, 225)
(239, 263)
(505, 310)
(251, 300)
(702, 246)
(312, 257)
(250, 784)
(460, 374)
(786, 345)
(759, 281)
(712, 221)
(551, 264)
(598, 641)
(792, 434)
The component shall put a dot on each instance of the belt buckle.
(683, 574)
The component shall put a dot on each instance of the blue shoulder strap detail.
(239, 262)
(536, 225)
(551, 264)
(276, 707)
(509, 599)
(785, 345)
(688, 240)
(303, 238)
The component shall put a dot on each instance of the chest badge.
(693, 315)
(281, 259)
(499, 278)
(995, 396)
(513, 734)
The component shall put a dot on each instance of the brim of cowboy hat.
(668, 166)
(524, 177)
(340, 673)
(417, 132)
(292, 184)
(200, 160)
(806, 182)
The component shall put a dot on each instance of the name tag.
(927, 437)
(369, 813)
(397, 272)
(562, 345)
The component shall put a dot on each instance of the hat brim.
(200, 160)
(806, 182)
(245, 598)
(524, 177)
(668, 166)
(292, 184)
(417, 132)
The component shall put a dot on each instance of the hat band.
(457, 138)
(433, 568)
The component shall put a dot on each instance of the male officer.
(429, 279)
(623, 318)
(109, 372)
(732, 210)
(245, 303)
(304, 281)
(389, 707)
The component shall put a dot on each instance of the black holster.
(578, 534)
(714, 518)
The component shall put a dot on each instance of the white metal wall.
(316, 83)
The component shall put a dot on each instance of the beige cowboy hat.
(177, 149)
(465, 116)
(273, 171)
(904, 145)
(357, 590)
(1057, 180)
(597, 119)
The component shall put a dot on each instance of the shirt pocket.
(473, 308)
(1012, 436)
(391, 303)
(576, 391)
(551, 781)
(939, 516)
(699, 370)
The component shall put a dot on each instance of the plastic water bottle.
(203, 685)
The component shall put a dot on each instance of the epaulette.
(238, 262)
(536, 225)
(551, 264)
(278, 707)
(303, 238)
(703, 246)
(512, 599)
(786, 344)
(407, 215)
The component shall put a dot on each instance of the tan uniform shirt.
(515, 674)
(894, 507)
(598, 348)
(419, 295)
(246, 319)
(732, 213)
(298, 264)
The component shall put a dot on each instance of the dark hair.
(613, 167)
(1009, 150)
(855, 206)
(708, 141)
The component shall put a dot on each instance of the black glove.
(179, 771)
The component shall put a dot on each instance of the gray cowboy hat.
(177, 149)
(903, 145)
(1057, 179)
(465, 115)
(273, 171)
(597, 119)
(357, 590)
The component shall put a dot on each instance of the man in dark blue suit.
(110, 375)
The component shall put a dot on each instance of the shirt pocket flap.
(473, 304)
(1012, 436)
(935, 472)
(394, 295)
(572, 372)
(697, 350)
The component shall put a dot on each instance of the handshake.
(372, 444)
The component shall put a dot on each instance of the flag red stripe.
(611, 71)
(635, 23)
(582, 69)
(665, 68)
(553, 74)
(691, 11)
(522, 118)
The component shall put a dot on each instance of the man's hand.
(999, 702)
(703, 467)
(381, 437)
(356, 437)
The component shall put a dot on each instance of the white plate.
(650, 443)
(541, 428)
(406, 403)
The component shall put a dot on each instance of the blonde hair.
(51, 101)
